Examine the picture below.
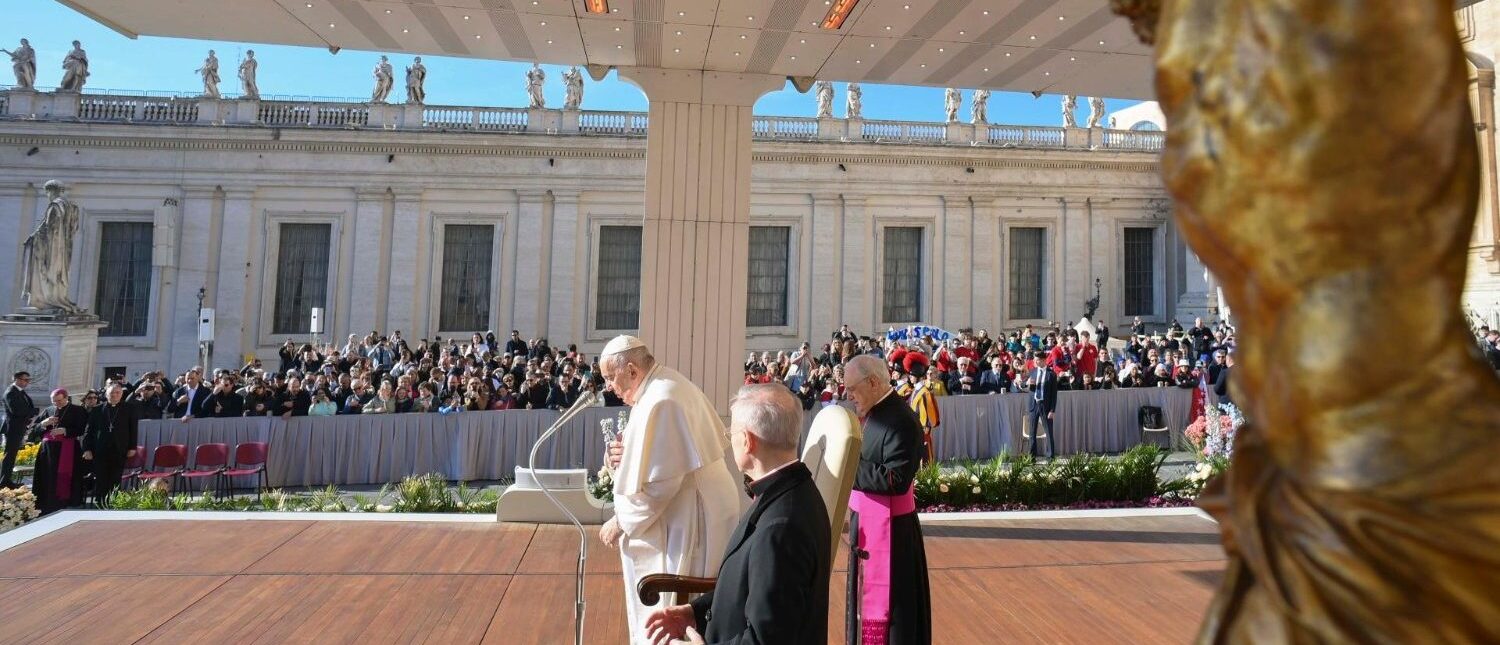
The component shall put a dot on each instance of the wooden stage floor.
(1093, 580)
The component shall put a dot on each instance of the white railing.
(92, 108)
(278, 113)
(1027, 136)
(903, 131)
(166, 108)
(784, 127)
(500, 119)
(1134, 140)
(618, 123)
(168, 111)
(474, 118)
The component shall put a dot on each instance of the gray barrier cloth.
(471, 446)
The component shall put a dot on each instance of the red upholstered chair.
(168, 463)
(209, 460)
(133, 466)
(249, 459)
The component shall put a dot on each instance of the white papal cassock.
(677, 494)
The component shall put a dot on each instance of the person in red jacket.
(1086, 355)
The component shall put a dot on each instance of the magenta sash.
(62, 483)
(875, 513)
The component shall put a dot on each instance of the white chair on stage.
(831, 452)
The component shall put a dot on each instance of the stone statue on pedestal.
(416, 76)
(854, 106)
(979, 112)
(75, 69)
(824, 91)
(210, 74)
(384, 79)
(534, 80)
(573, 85)
(23, 63)
(1069, 106)
(1096, 111)
(48, 254)
(951, 100)
(251, 91)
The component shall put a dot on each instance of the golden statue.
(1363, 502)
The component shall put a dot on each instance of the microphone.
(585, 400)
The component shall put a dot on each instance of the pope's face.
(624, 381)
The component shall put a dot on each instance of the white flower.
(976, 490)
(973, 479)
(943, 488)
(384, 508)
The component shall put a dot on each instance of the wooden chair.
(831, 452)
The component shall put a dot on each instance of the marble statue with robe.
(210, 74)
(75, 69)
(824, 90)
(979, 112)
(48, 254)
(1069, 106)
(678, 493)
(573, 85)
(854, 106)
(249, 89)
(535, 77)
(416, 78)
(1096, 111)
(952, 98)
(384, 80)
(23, 63)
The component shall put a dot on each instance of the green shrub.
(1022, 482)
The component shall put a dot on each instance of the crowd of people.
(379, 374)
(973, 362)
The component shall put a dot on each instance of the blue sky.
(167, 64)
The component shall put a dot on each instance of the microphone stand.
(584, 401)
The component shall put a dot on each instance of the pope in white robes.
(677, 495)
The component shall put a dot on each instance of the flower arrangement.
(27, 454)
(1006, 483)
(602, 487)
(1212, 438)
(17, 507)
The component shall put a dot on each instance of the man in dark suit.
(1221, 379)
(189, 401)
(19, 410)
(773, 582)
(110, 440)
(1042, 404)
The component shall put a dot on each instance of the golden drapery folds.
(1323, 161)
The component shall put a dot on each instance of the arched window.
(1145, 126)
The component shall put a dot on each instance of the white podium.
(524, 501)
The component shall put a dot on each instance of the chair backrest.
(251, 453)
(1151, 418)
(172, 455)
(138, 461)
(831, 452)
(210, 455)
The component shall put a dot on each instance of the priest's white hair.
(771, 413)
(864, 367)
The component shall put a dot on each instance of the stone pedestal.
(21, 102)
(58, 351)
(544, 121)
(64, 105)
(1076, 137)
(1200, 300)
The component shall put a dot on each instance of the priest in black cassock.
(111, 439)
(58, 479)
(896, 606)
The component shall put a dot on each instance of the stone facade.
(216, 191)
(1479, 28)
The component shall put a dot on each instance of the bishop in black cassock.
(58, 480)
(896, 602)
